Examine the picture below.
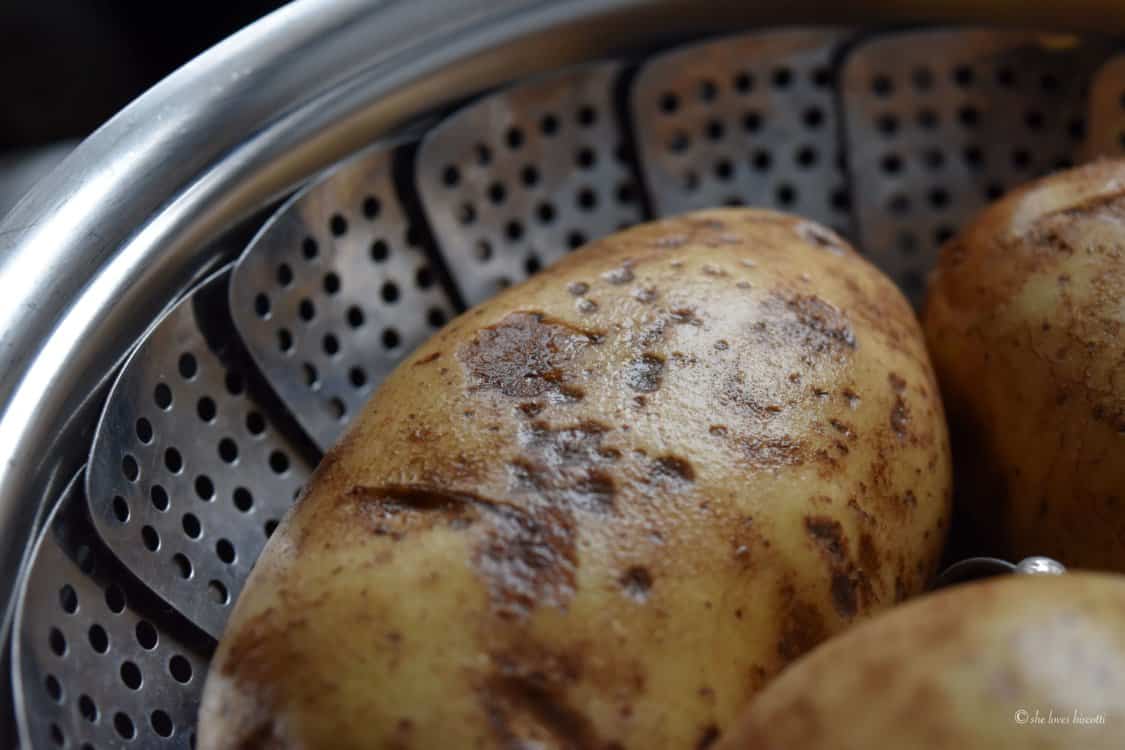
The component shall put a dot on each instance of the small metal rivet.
(1040, 566)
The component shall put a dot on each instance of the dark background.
(66, 66)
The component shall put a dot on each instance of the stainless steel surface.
(101, 246)
(939, 123)
(98, 663)
(334, 291)
(973, 568)
(20, 170)
(513, 181)
(1040, 566)
(1107, 110)
(745, 120)
(188, 473)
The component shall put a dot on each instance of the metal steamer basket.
(199, 299)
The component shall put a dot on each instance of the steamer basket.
(175, 369)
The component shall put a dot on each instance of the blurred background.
(66, 66)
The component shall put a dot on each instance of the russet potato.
(1005, 664)
(1025, 318)
(604, 508)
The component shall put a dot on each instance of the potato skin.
(952, 669)
(1026, 326)
(602, 509)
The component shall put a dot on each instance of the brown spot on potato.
(900, 419)
(843, 428)
(801, 625)
(770, 452)
(651, 334)
(868, 554)
(685, 316)
(824, 327)
(735, 393)
(820, 236)
(758, 678)
(743, 557)
(674, 468)
(258, 659)
(644, 373)
(636, 581)
(420, 435)
(566, 466)
(897, 382)
(528, 559)
(395, 498)
(588, 489)
(392, 510)
(585, 305)
(578, 288)
(850, 585)
(528, 710)
(569, 393)
(621, 275)
(684, 360)
(708, 738)
(804, 324)
(531, 408)
(427, 359)
(525, 355)
(581, 441)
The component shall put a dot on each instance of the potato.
(1011, 662)
(603, 508)
(1026, 324)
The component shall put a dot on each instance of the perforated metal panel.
(188, 473)
(747, 120)
(1107, 110)
(939, 123)
(334, 291)
(99, 663)
(516, 179)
